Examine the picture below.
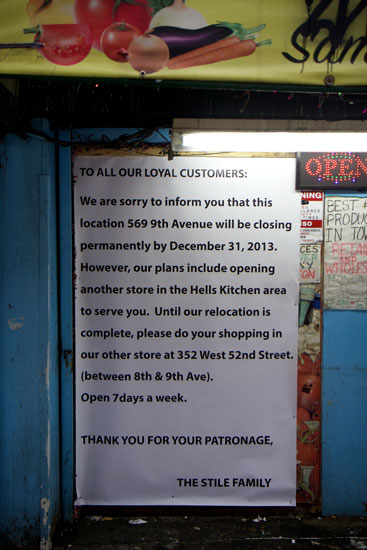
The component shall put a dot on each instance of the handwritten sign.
(309, 269)
(345, 253)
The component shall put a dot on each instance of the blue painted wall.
(29, 406)
(344, 413)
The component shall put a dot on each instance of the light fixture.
(267, 142)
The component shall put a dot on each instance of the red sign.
(311, 223)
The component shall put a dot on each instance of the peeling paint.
(45, 506)
(45, 544)
(15, 323)
(68, 359)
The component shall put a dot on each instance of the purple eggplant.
(180, 40)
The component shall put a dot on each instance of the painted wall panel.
(344, 389)
(19, 464)
(29, 471)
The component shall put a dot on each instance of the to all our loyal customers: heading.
(108, 172)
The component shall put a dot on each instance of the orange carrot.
(204, 50)
(240, 49)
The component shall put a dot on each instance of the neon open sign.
(331, 171)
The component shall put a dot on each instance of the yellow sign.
(298, 42)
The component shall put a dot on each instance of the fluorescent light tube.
(266, 142)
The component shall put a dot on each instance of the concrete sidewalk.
(296, 531)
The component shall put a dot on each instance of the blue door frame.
(66, 329)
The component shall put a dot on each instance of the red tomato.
(100, 14)
(65, 44)
(116, 39)
(306, 365)
(307, 454)
(309, 392)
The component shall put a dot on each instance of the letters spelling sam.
(334, 47)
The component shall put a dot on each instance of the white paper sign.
(186, 331)
(310, 263)
(312, 214)
(345, 264)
